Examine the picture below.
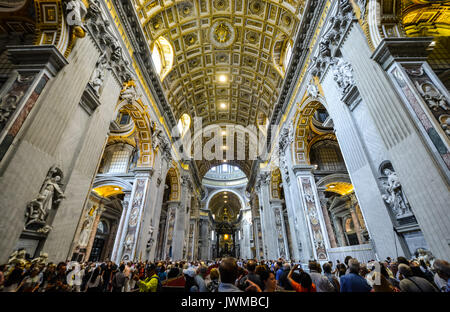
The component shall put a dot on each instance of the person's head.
(305, 280)
(61, 268)
(354, 266)
(214, 274)
(251, 266)
(442, 269)
(405, 270)
(279, 264)
(260, 268)
(326, 267)
(269, 280)
(347, 259)
(34, 271)
(286, 266)
(314, 266)
(402, 260)
(228, 269)
(122, 267)
(363, 271)
(202, 271)
(151, 269)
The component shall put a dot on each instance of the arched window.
(287, 55)
(327, 156)
(162, 56)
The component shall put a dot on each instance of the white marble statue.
(86, 231)
(313, 90)
(48, 198)
(41, 260)
(98, 76)
(76, 11)
(395, 197)
(343, 75)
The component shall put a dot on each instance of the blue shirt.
(278, 275)
(227, 287)
(354, 283)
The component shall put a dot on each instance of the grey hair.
(404, 270)
(287, 266)
(354, 265)
(442, 265)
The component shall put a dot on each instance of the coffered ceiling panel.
(227, 55)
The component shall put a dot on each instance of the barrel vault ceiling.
(240, 40)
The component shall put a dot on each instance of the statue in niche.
(49, 198)
(76, 11)
(129, 92)
(313, 90)
(129, 240)
(395, 197)
(17, 258)
(150, 233)
(41, 260)
(98, 76)
(86, 230)
(432, 96)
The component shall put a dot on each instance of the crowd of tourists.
(228, 275)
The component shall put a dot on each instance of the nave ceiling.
(242, 42)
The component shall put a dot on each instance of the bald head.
(251, 265)
(228, 270)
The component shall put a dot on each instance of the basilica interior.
(135, 130)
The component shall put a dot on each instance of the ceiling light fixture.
(223, 105)
(222, 78)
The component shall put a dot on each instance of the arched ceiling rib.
(225, 204)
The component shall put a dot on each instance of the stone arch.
(211, 195)
(113, 181)
(302, 128)
(142, 122)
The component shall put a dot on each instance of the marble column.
(268, 218)
(101, 209)
(35, 66)
(420, 157)
(340, 231)
(281, 234)
(311, 204)
(172, 210)
(329, 226)
(244, 242)
(130, 234)
(356, 224)
(120, 229)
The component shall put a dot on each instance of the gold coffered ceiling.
(244, 40)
